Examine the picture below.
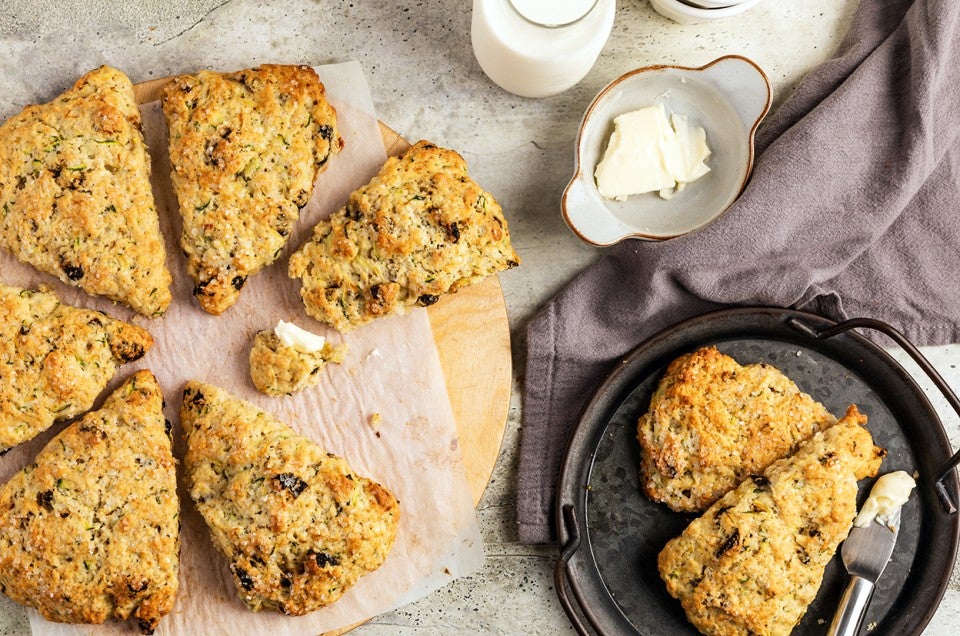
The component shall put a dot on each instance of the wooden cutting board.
(473, 339)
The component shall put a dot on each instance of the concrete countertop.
(426, 84)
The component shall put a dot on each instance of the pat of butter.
(300, 339)
(886, 497)
(647, 152)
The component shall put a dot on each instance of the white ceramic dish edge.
(585, 211)
(689, 14)
(713, 4)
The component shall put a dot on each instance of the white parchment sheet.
(392, 369)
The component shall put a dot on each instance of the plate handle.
(560, 569)
(946, 501)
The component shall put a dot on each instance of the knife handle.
(853, 607)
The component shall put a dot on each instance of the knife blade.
(865, 553)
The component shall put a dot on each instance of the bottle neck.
(553, 13)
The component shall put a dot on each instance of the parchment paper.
(392, 369)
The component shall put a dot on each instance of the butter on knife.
(886, 497)
(868, 547)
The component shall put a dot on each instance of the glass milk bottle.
(537, 48)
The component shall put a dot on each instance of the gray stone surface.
(426, 84)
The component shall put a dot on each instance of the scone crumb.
(277, 368)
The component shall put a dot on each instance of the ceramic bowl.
(688, 14)
(713, 4)
(727, 98)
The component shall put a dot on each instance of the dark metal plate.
(613, 573)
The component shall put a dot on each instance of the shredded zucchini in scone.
(90, 529)
(55, 360)
(75, 197)
(713, 422)
(298, 527)
(754, 561)
(245, 150)
(421, 228)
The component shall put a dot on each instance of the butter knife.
(865, 554)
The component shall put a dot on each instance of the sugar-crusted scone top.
(755, 560)
(713, 422)
(91, 529)
(55, 360)
(75, 197)
(419, 229)
(296, 524)
(245, 149)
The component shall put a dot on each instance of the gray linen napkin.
(853, 210)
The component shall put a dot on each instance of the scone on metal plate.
(245, 149)
(297, 525)
(754, 561)
(75, 197)
(55, 360)
(419, 229)
(287, 359)
(91, 529)
(712, 423)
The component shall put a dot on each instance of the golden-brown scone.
(755, 559)
(297, 526)
(712, 423)
(55, 360)
(91, 529)
(277, 368)
(419, 229)
(245, 149)
(75, 197)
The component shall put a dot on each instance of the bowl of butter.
(664, 150)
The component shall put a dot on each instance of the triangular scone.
(419, 229)
(713, 422)
(55, 360)
(245, 149)
(75, 198)
(297, 526)
(91, 530)
(755, 559)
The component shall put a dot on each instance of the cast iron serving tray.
(611, 533)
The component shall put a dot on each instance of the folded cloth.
(853, 210)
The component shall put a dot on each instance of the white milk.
(519, 46)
